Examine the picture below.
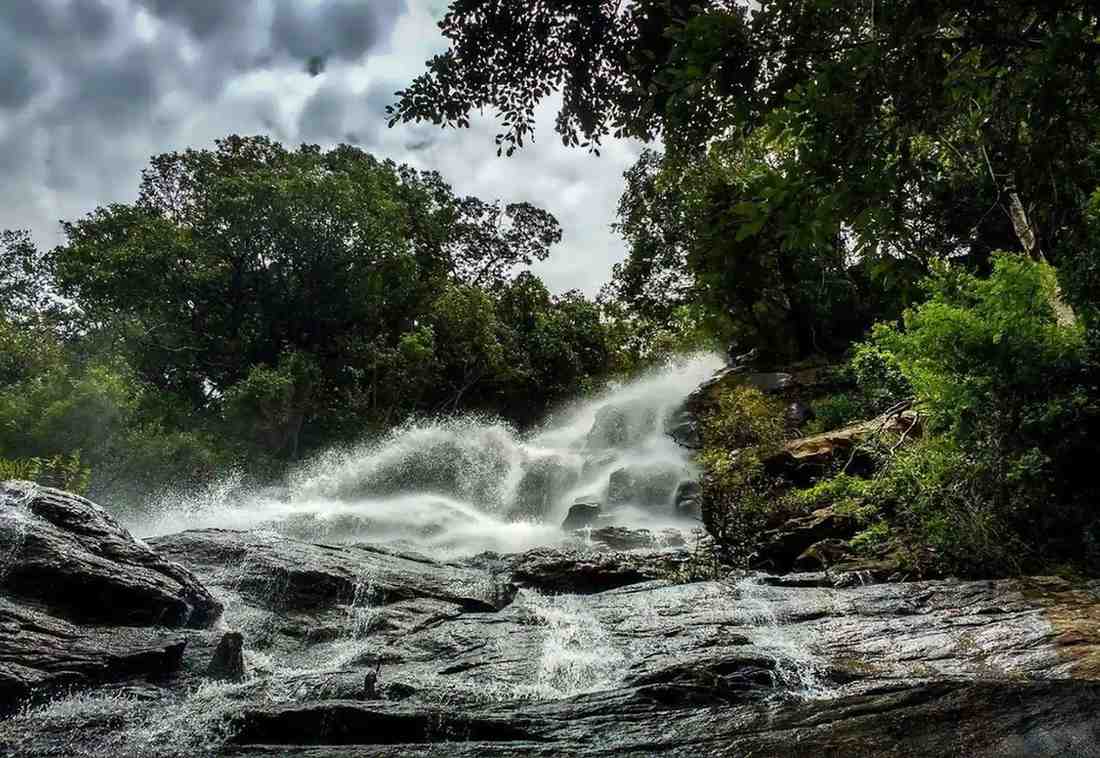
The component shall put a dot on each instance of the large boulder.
(70, 557)
(622, 425)
(581, 515)
(82, 602)
(545, 481)
(650, 486)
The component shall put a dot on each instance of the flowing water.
(460, 486)
(447, 489)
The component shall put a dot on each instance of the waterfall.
(463, 485)
(797, 667)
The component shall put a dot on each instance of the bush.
(835, 411)
(737, 493)
(1003, 483)
(65, 472)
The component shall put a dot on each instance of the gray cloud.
(92, 88)
(202, 18)
(344, 29)
(18, 83)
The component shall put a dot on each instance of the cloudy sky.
(90, 89)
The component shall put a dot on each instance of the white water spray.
(464, 485)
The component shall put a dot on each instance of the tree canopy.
(800, 136)
(257, 302)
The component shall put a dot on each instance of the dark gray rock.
(228, 660)
(581, 515)
(67, 555)
(596, 654)
(286, 574)
(585, 572)
(623, 538)
(82, 602)
(683, 427)
(41, 654)
(645, 486)
(688, 500)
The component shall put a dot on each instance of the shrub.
(66, 472)
(835, 411)
(1003, 481)
(738, 495)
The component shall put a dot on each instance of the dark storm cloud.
(118, 92)
(90, 89)
(343, 29)
(18, 82)
(202, 18)
(322, 118)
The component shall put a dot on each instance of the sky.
(91, 89)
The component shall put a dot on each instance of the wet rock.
(41, 654)
(69, 557)
(688, 500)
(552, 570)
(228, 660)
(597, 464)
(580, 516)
(683, 427)
(370, 685)
(624, 538)
(544, 482)
(751, 666)
(285, 574)
(781, 549)
(645, 486)
(82, 602)
(620, 426)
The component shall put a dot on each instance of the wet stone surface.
(357, 650)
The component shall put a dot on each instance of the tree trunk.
(1026, 233)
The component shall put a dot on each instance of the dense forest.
(907, 192)
(256, 304)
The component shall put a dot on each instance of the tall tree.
(896, 130)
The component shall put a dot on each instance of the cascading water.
(463, 485)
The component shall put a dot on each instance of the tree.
(888, 131)
(287, 299)
(24, 279)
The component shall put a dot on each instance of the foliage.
(879, 376)
(846, 494)
(980, 351)
(834, 411)
(65, 472)
(257, 303)
(820, 155)
(287, 299)
(1003, 481)
(742, 427)
(743, 416)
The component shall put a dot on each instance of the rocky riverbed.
(253, 643)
